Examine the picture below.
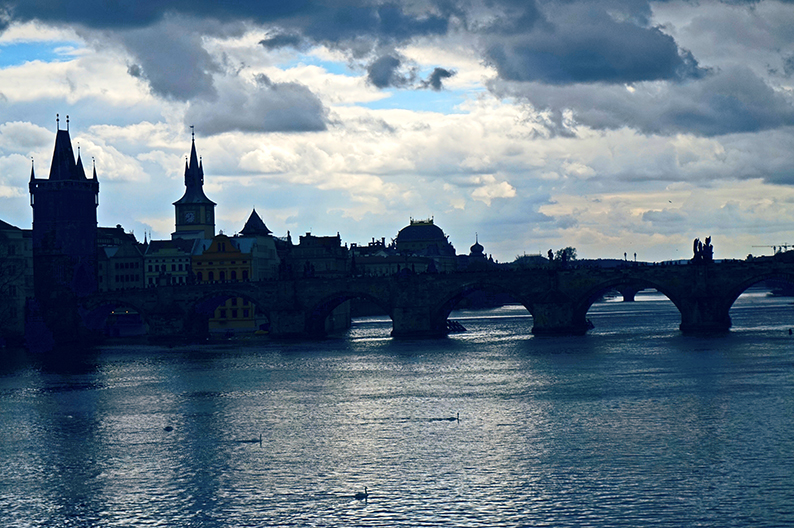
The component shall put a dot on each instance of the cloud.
(258, 106)
(434, 81)
(580, 42)
(729, 101)
(141, 13)
(489, 189)
(383, 72)
(23, 138)
(282, 40)
(171, 58)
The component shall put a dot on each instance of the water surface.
(630, 425)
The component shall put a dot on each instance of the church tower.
(64, 233)
(195, 213)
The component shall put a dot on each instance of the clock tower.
(195, 213)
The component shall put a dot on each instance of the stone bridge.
(419, 305)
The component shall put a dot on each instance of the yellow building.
(221, 260)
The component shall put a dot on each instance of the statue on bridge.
(704, 253)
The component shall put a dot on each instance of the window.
(180, 267)
(245, 274)
(173, 267)
(234, 314)
(245, 313)
(199, 277)
(150, 268)
(222, 275)
(234, 275)
(211, 276)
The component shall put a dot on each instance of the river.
(632, 424)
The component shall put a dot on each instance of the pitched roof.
(5, 226)
(194, 181)
(63, 165)
(255, 226)
(186, 246)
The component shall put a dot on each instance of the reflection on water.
(630, 425)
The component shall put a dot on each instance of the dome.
(421, 231)
(423, 237)
(476, 250)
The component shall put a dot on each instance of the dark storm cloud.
(264, 106)
(729, 101)
(102, 14)
(282, 40)
(387, 23)
(173, 61)
(434, 81)
(321, 20)
(385, 73)
(580, 45)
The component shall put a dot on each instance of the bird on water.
(362, 495)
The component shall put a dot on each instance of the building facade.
(16, 281)
(222, 260)
(120, 263)
(167, 262)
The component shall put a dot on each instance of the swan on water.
(362, 495)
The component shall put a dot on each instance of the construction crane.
(780, 248)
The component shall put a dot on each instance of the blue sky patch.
(18, 53)
(420, 100)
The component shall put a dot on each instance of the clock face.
(190, 217)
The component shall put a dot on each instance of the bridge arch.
(590, 296)
(452, 298)
(96, 312)
(320, 311)
(203, 308)
(754, 279)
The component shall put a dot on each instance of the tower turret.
(195, 213)
(64, 234)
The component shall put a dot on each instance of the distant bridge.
(419, 305)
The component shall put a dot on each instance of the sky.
(612, 126)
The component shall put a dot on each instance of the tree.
(567, 254)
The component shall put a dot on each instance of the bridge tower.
(64, 236)
(195, 213)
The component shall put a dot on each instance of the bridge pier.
(628, 292)
(416, 322)
(558, 318)
(288, 323)
(704, 315)
(169, 322)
